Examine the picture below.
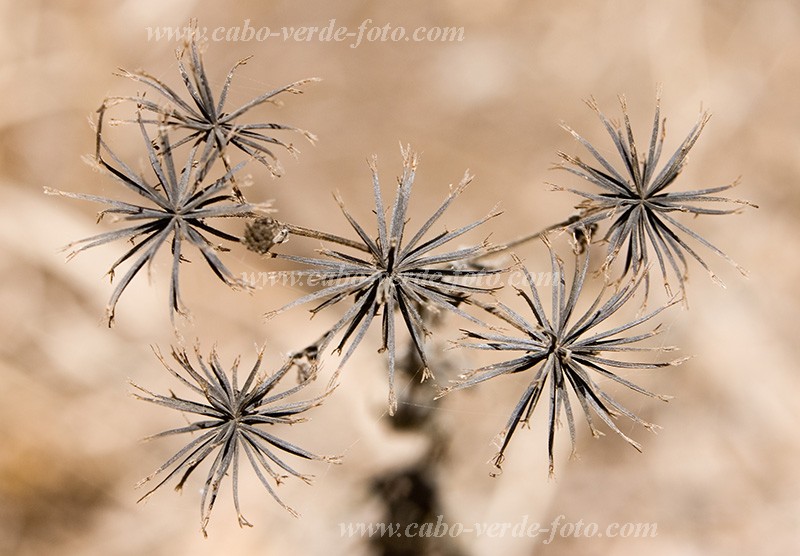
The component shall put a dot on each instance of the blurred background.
(720, 477)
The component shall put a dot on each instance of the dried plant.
(568, 352)
(178, 206)
(262, 234)
(391, 275)
(565, 350)
(636, 200)
(233, 421)
(202, 119)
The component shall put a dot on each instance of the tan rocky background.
(719, 478)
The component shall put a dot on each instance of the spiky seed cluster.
(565, 351)
(233, 421)
(178, 205)
(635, 199)
(202, 119)
(176, 209)
(392, 273)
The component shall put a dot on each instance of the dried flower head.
(262, 234)
(636, 200)
(564, 351)
(392, 273)
(202, 119)
(177, 209)
(233, 421)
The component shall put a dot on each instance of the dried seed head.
(262, 234)
(641, 203)
(236, 422)
(175, 209)
(566, 353)
(392, 272)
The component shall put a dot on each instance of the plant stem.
(323, 236)
(494, 249)
(574, 219)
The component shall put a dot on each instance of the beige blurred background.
(720, 477)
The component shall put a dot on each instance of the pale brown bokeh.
(719, 478)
